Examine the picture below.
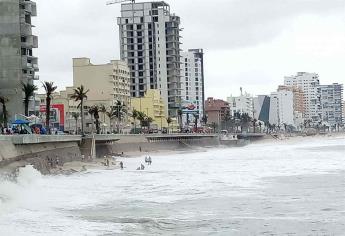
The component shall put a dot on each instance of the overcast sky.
(248, 43)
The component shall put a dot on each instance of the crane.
(119, 1)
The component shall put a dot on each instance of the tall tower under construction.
(150, 44)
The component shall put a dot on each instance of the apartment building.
(281, 108)
(152, 105)
(215, 110)
(106, 82)
(298, 103)
(241, 104)
(150, 44)
(17, 61)
(192, 84)
(331, 104)
(309, 83)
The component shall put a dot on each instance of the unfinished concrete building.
(17, 62)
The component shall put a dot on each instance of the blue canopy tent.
(24, 125)
(20, 122)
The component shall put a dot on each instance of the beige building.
(152, 104)
(298, 103)
(107, 82)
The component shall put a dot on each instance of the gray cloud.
(88, 28)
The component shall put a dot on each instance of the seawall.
(43, 152)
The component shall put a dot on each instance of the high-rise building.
(331, 104)
(192, 84)
(281, 108)
(17, 62)
(150, 44)
(309, 83)
(261, 107)
(298, 103)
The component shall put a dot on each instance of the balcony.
(25, 29)
(31, 42)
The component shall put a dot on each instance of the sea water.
(290, 187)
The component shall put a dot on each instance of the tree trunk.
(48, 115)
(82, 116)
(26, 104)
(76, 126)
(4, 110)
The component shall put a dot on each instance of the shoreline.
(78, 165)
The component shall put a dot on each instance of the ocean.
(290, 187)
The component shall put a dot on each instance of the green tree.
(75, 115)
(141, 118)
(103, 110)
(119, 112)
(148, 120)
(110, 114)
(3, 101)
(50, 89)
(254, 125)
(80, 94)
(29, 91)
(134, 115)
(94, 111)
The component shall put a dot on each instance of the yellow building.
(152, 105)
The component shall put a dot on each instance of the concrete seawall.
(152, 143)
(43, 152)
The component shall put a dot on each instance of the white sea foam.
(178, 192)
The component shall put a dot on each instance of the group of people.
(148, 161)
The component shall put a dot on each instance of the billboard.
(57, 115)
(189, 107)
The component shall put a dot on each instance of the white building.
(150, 44)
(281, 108)
(331, 104)
(309, 83)
(241, 104)
(192, 83)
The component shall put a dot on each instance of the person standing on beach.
(121, 165)
(149, 160)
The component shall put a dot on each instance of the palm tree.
(119, 111)
(110, 115)
(148, 120)
(29, 91)
(169, 121)
(103, 110)
(75, 115)
(254, 124)
(141, 118)
(134, 115)
(94, 111)
(3, 101)
(79, 95)
(50, 89)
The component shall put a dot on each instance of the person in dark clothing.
(121, 165)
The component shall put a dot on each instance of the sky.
(251, 44)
